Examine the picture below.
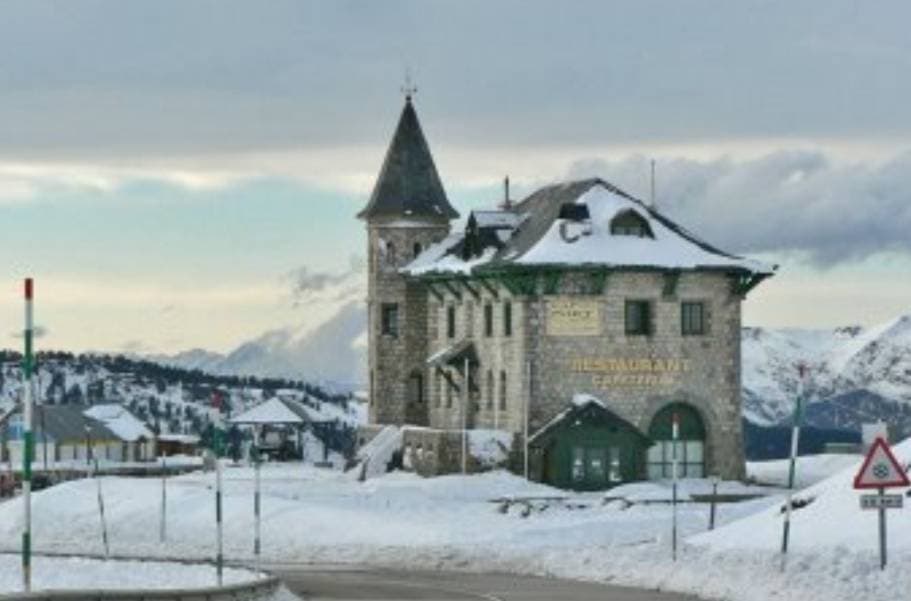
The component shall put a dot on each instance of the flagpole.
(27, 440)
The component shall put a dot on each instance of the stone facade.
(702, 371)
(397, 369)
(479, 336)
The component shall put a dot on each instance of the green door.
(591, 469)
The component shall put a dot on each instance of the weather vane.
(409, 89)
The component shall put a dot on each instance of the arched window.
(690, 446)
(416, 249)
(630, 223)
(489, 389)
(502, 391)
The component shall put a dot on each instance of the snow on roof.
(437, 258)
(273, 411)
(667, 249)
(181, 438)
(497, 219)
(120, 421)
(580, 399)
(538, 236)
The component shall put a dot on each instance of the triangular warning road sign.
(880, 469)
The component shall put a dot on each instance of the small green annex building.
(588, 447)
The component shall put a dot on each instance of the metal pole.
(219, 557)
(496, 400)
(525, 419)
(675, 435)
(44, 438)
(163, 525)
(104, 526)
(28, 442)
(256, 498)
(465, 397)
(714, 500)
(795, 440)
(882, 530)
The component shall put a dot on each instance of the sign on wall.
(573, 317)
(610, 372)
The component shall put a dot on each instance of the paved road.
(354, 584)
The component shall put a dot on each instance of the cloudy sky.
(170, 170)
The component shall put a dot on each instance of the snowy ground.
(70, 573)
(810, 469)
(401, 520)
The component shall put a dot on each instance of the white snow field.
(811, 469)
(492, 522)
(58, 573)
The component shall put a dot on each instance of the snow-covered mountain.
(333, 353)
(855, 374)
(169, 399)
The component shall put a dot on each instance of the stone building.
(579, 319)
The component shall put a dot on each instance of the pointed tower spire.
(408, 184)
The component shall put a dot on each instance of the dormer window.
(630, 223)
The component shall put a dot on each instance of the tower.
(407, 211)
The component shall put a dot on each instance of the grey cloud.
(783, 202)
(308, 285)
(128, 79)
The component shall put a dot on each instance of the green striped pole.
(28, 442)
(219, 554)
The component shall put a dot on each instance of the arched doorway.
(690, 448)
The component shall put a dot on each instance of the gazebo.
(274, 422)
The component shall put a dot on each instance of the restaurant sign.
(630, 372)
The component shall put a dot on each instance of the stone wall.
(499, 355)
(393, 360)
(703, 371)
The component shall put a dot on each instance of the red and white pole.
(28, 442)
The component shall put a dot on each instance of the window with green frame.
(638, 317)
(692, 318)
(689, 448)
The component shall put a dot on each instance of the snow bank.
(810, 469)
(378, 452)
(833, 519)
(490, 447)
(322, 516)
(76, 573)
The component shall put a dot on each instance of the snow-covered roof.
(542, 237)
(120, 421)
(181, 438)
(580, 402)
(496, 219)
(278, 411)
